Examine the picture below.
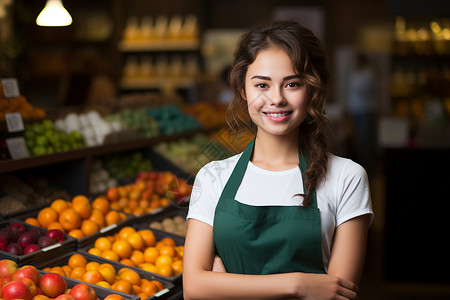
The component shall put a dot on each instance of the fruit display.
(171, 119)
(176, 225)
(21, 105)
(27, 283)
(199, 147)
(107, 275)
(43, 138)
(78, 218)
(140, 248)
(124, 166)
(18, 239)
(150, 191)
(209, 114)
(137, 119)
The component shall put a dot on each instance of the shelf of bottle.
(156, 82)
(159, 45)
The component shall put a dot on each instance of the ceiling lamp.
(54, 14)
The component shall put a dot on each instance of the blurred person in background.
(362, 110)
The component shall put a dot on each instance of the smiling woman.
(285, 218)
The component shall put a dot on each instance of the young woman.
(285, 218)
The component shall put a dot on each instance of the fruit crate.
(179, 241)
(160, 216)
(169, 287)
(87, 240)
(69, 244)
(100, 291)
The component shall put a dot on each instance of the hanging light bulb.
(54, 14)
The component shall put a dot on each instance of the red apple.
(65, 297)
(19, 226)
(8, 234)
(31, 248)
(26, 239)
(52, 285)
(56, 235)
(83, 291)
(30, 284)
(45, 241)
(27, 271)
(7, 268)
(16, 289)
(14, 248)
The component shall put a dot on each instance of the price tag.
(14, 122)
(10, 87)
(17, 147)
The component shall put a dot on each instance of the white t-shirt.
(343, 195)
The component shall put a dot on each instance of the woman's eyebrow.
(269, 79)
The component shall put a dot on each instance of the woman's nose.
(277, 97)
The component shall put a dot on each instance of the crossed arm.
(344, 270)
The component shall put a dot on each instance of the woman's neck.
(275, 153)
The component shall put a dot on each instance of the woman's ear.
(243, 96)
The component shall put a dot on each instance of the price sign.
(14, 122)
(17, 147)
(10, 87)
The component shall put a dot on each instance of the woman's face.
(276, 96)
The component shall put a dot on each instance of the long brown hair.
(309, 62)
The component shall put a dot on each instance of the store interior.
(150, 76)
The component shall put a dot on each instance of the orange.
(164, 201)
(69, 219)
(110, 254)
(115, 205)
(165, 270)
(128, 262)
(81, 205)
(168, 250)
(136, 241)
(98, 217)
(77, 260)
(76, 233)
(92, 265)
(149, 288)
(59, 205)
(114, 297)
(138, 211)
(104, 284)
(92, 276)
(58, 270)
(131, 276)
(46, 216)
(109, 275)
(112, 194)
(67, 269)
(95, 251)
(177, 266)
(107, 265)
(102, 204)
(123, 202)
(122, 248)
(43, 297)
(142, 295)
(180, 252)
(125, 232)
(158, 284)
(77, 273)
(122, 286)
(148, 236)
(33, 221)
(149, 267)
(89, 227)
(56, 225)
(168, 241)
(122, 216)
(103, 243)
(112, 217)
(137, 257)
(151, 254)
(163, 260)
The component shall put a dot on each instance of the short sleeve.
(355, 199)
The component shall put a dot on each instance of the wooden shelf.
(14, 165)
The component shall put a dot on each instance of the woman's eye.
(262, 85)
(293, 84)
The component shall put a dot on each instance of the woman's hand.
(322, 286)
(218, 265)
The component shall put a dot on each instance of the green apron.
(266, 239)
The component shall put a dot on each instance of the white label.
(17, 147)
(10, 87)
(14, 122)
(108, 228)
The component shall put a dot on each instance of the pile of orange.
(139, 248)
(77, 218)
(21, 105)
(123, 280)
